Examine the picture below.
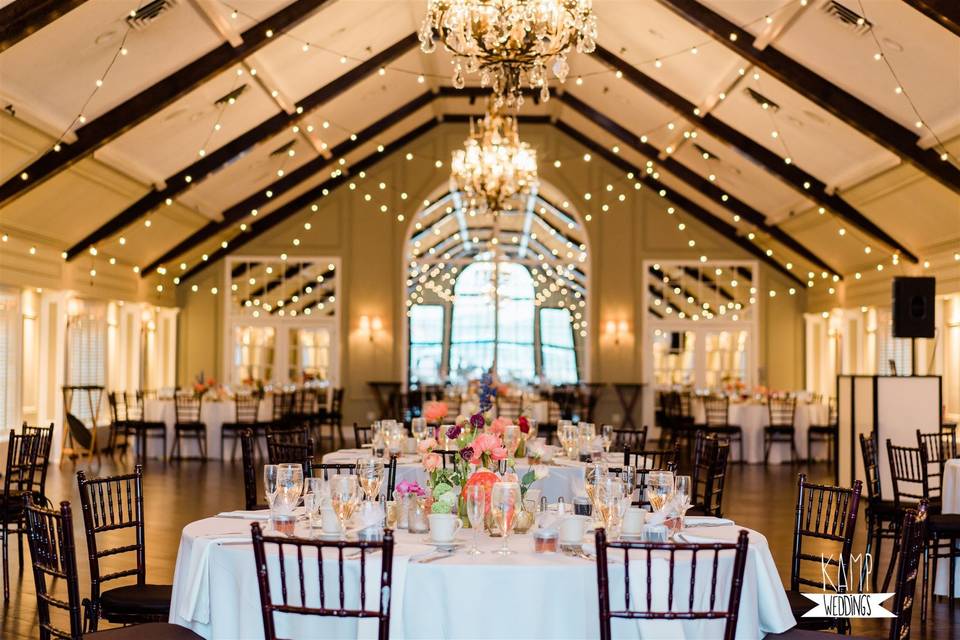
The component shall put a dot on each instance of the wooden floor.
(757, 497)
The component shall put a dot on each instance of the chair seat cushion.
(779, 429)
(727, 428)
(147, 425)
(147, 599)
(822, 429)
(149, 631)
(190, 426)
(806, 634)
(947, 524)
(885, 509)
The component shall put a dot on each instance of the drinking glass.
(681, 488)
(606, 432)
(344, 495)
(629, 476)
(476, 510)
(370, 476)
(563, 432)
(659, 488)
(418, 426)
(511, 439)
(504, 503)
(531, 434)
(270, 483)
(316, 492)
(587, 430)
(289, 486)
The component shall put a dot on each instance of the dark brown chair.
(294, 582)
(362, 434)
(129, 410)
(825, 519)
(781, 413)
(187, 408)
(824, 433)
(881, 514)
(334, 416)
(281, 452)
(941, 446)
(448, 456)
(18, 484)
(717, 421)
(289, 433)
(246, 417)
(709, 475)
(682, 605)
(634, 439)
(44, 444)
(914, 533)
(113, 504)
(54, 557)
(646, 460)
(250, 495)
(326, 469)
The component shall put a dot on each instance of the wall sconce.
(370, 326)
(617, 330)
(73, 307)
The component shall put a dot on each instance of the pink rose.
(499, 425)
(435, 411)
(499, 453)
(432, 461)
(426, 445)
(485, 442)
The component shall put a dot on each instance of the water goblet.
(270, 486)
(659, 488)
(606, 432)
(504, 504)
(418, 426)
(344, 495)
(476, 510)
(511, 439)
(370, 476)
(289, 487)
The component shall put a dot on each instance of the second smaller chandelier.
(494, 166)
(510, 42)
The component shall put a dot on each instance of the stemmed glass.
(418, 426)
(659, 488)
(531, 433)
(370, 476)
(511, 439)
(344, 496)
(289, 486)
(270, 485)
(606, 432)
(681, 488)
(563, 433)
(476, 510)
(504, 503)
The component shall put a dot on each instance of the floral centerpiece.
(435, 411)
(480, 453)
(201, 385)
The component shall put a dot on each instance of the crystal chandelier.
(494, 165)
(510, 42)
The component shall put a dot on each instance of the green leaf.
(528, 477)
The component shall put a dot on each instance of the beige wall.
(370, 243)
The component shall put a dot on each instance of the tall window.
(557, 346)
(8, 355)
(86, 357)
(426, 343)
(894, 354)
(479, 328)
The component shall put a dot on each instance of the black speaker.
(913, 308)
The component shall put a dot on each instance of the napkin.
(696, 521)
(261, 514)
(196, 605)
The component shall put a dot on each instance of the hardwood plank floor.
(177, 493)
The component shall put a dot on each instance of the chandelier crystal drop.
(510, 43)
(494, 166)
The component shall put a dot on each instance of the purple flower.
(467, 453)
(477, 420)
(454, 432)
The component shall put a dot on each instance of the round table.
(752, 417)
(525, 595)
(565, 479)
(950, 493)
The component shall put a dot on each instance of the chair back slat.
(249, 469)
(908, 473)
(913, 539)
(294, 552)
(781, 411)
(634, 439)
(868, 451)
(717, 411)
(280, 451)
(681, 603)
(53, 556)
(247, 408)
(826, 517)
(111, 504)
(187, 407)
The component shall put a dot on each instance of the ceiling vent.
(146, 15)
(283, 149)
(762, 100)
(850, 19)
(231, 97)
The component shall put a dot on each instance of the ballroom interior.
(722, 231)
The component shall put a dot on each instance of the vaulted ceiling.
(811, 130)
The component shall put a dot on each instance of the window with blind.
(8, 356)
(426, 343)
(86, 358)
(893, 354)
(557, 346)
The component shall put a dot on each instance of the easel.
(82, 441)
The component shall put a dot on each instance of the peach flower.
(499, 425)
(426, 445)
(500, 453)
(485, 442)
(435, 411)
(432, 462)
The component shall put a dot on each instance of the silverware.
(439, 556)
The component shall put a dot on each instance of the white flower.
(540, 471)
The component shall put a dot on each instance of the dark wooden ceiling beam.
(279, 187)
(792, 175)
(309, 197)
(694, 180)
(128, 114)
(218, 159)
(946, 13)
(846, 107)
(23, 18)
(689, 206)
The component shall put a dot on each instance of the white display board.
(904, 404)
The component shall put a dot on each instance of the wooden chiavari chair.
(717, 416)
(362, 434)
(250, 495)
(881, 514)
(246, 418)
(18, 484)
(633, 439)
(781, 413)
(709, 475)
(826, 433)
(188, 408)
(290, 452)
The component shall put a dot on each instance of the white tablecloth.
(565, 479)
(753, 417)
(525, 595)
(213, 414)
(950, 494)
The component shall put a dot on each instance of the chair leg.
(6, 564)
(893, 558)
(879, 534)
(951, 595)
(926, 572)
(175, 446)
(21, 527)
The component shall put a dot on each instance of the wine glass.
(476, 510)
(563, 433)
(511, 439)
(593, 477)
(270, 483)
(629, 476)
(504, 503)
(606, 432)
(681, 488)
(531, 433)
(659, 488)
(344, 495)
(289, 486)
(418, 426)
(370, 476)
